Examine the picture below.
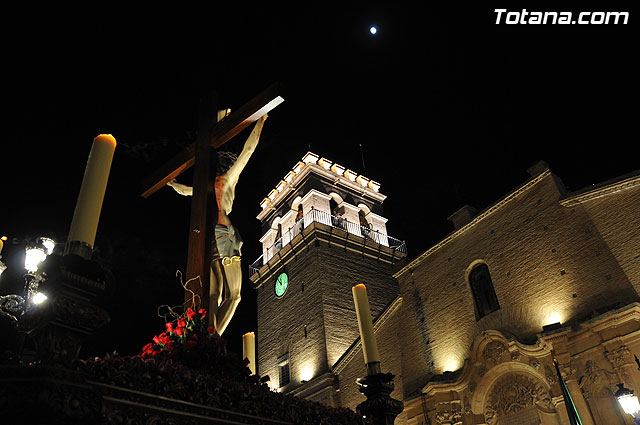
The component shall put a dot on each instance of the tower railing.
(318, 216)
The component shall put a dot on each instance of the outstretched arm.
(233, 174)
(182, 189)
(249, 147)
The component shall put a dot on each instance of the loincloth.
(228, 241)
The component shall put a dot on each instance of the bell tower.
(323, 232)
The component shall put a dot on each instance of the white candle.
(249, 350)
(94, 184)
(365, 324)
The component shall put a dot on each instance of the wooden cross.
(204, 208)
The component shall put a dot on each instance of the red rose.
(202, 312)
(211, 330)
(156, 340)
(180, 331)
(170, 327)
(182, 322)
(164, 338)
(147, 349)
(190, 313)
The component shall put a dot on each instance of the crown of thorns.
(225, 161)
(225, 156)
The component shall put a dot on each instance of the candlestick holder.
(79, 248)
(379, 408)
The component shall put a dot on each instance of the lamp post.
(13, 306)
(629, 402)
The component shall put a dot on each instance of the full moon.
(373, 30)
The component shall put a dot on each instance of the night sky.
(442, 107)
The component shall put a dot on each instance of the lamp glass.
(629, 403)
(34, 256)
(38, 298)
(49, 244)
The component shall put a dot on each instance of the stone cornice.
(481, 216)
(607, 188)
(314, 386)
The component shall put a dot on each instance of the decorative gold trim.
(226, 261)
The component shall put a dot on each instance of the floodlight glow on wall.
(306, 374)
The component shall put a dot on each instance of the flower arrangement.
(186, 333)
(189, 361)
(191, 341)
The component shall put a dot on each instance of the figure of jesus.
(226, 274)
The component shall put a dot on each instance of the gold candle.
(94, 184)
(365, 324)
(249, 350)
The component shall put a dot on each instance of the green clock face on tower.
(282, 282)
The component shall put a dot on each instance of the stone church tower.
(323, 232)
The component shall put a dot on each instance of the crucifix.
(204, 204)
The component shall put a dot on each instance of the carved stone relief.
(514, 393)
(494, 351)
(619, 358)
(449, 413)
(568, 370)
(594, 376)
(550, 375)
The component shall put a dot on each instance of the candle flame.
(107, 138)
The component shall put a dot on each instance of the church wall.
(417, 363)
(618, 228)
(340, 322)
(547, 263)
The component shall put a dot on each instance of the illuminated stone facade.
(553, 256)
(469, 348)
